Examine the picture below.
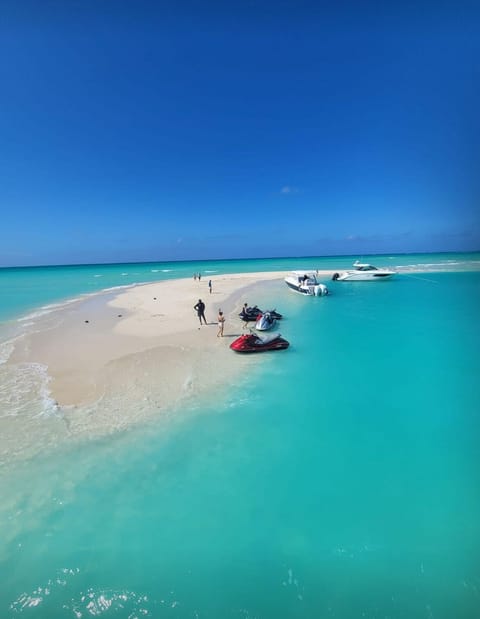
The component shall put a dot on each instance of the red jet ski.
(259, 343)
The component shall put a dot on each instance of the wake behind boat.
(363, 272)
(305, 282)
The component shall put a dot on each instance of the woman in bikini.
(221, 322)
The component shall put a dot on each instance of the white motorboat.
(363, 272)
(305, 282)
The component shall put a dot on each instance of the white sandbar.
(80, 350)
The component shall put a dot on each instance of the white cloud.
(288, 189)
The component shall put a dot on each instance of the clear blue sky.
(181, 130)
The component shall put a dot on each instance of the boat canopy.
(359, 266)
(311, 274)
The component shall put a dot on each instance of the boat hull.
(363, 272)
(364, 277)
(308, 290)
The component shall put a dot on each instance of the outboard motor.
(335, 276)
(321, 290)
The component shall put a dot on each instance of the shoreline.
(99, 364)
(105, 329)
(111, 360)
(105, 326)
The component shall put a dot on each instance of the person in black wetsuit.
(200, 309)
(244, 315)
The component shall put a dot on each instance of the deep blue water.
(339, 478)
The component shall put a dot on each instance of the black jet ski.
(274, 314)
(251, 314)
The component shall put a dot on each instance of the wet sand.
(110, 360)
(103, 363)
(103, 332)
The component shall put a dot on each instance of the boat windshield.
(365, 267)
(305, 277)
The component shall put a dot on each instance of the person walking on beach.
(221, 323)
(200, 309)
(210, 285)
(199, 276)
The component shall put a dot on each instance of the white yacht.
(363, 272)
(305, 282)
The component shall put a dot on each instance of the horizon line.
(85, 264)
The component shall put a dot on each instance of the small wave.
(440, 265)
(49, 406)
(124, 286)
(47, 309)
(6, 349)
(90, 602)
(98, 275)
(36, 314)
(124, 273)
(215, 271)
(53, 307)
(24, 390)
(38, 595)
(155, 270)
(167, 270)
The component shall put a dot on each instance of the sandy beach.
(115, 358)
(107, 332)
(110, 329)
(122, 356)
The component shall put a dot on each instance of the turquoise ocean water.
(340, 478)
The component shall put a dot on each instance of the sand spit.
(100, 331)
(99, 364)
(115, 359)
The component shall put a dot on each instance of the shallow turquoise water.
(340, 478)
(24, 288)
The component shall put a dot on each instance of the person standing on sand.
(244, 316)
(210, 285)
(221, 323)
(199, 276)
(200, 309)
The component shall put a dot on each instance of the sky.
(150, 131)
